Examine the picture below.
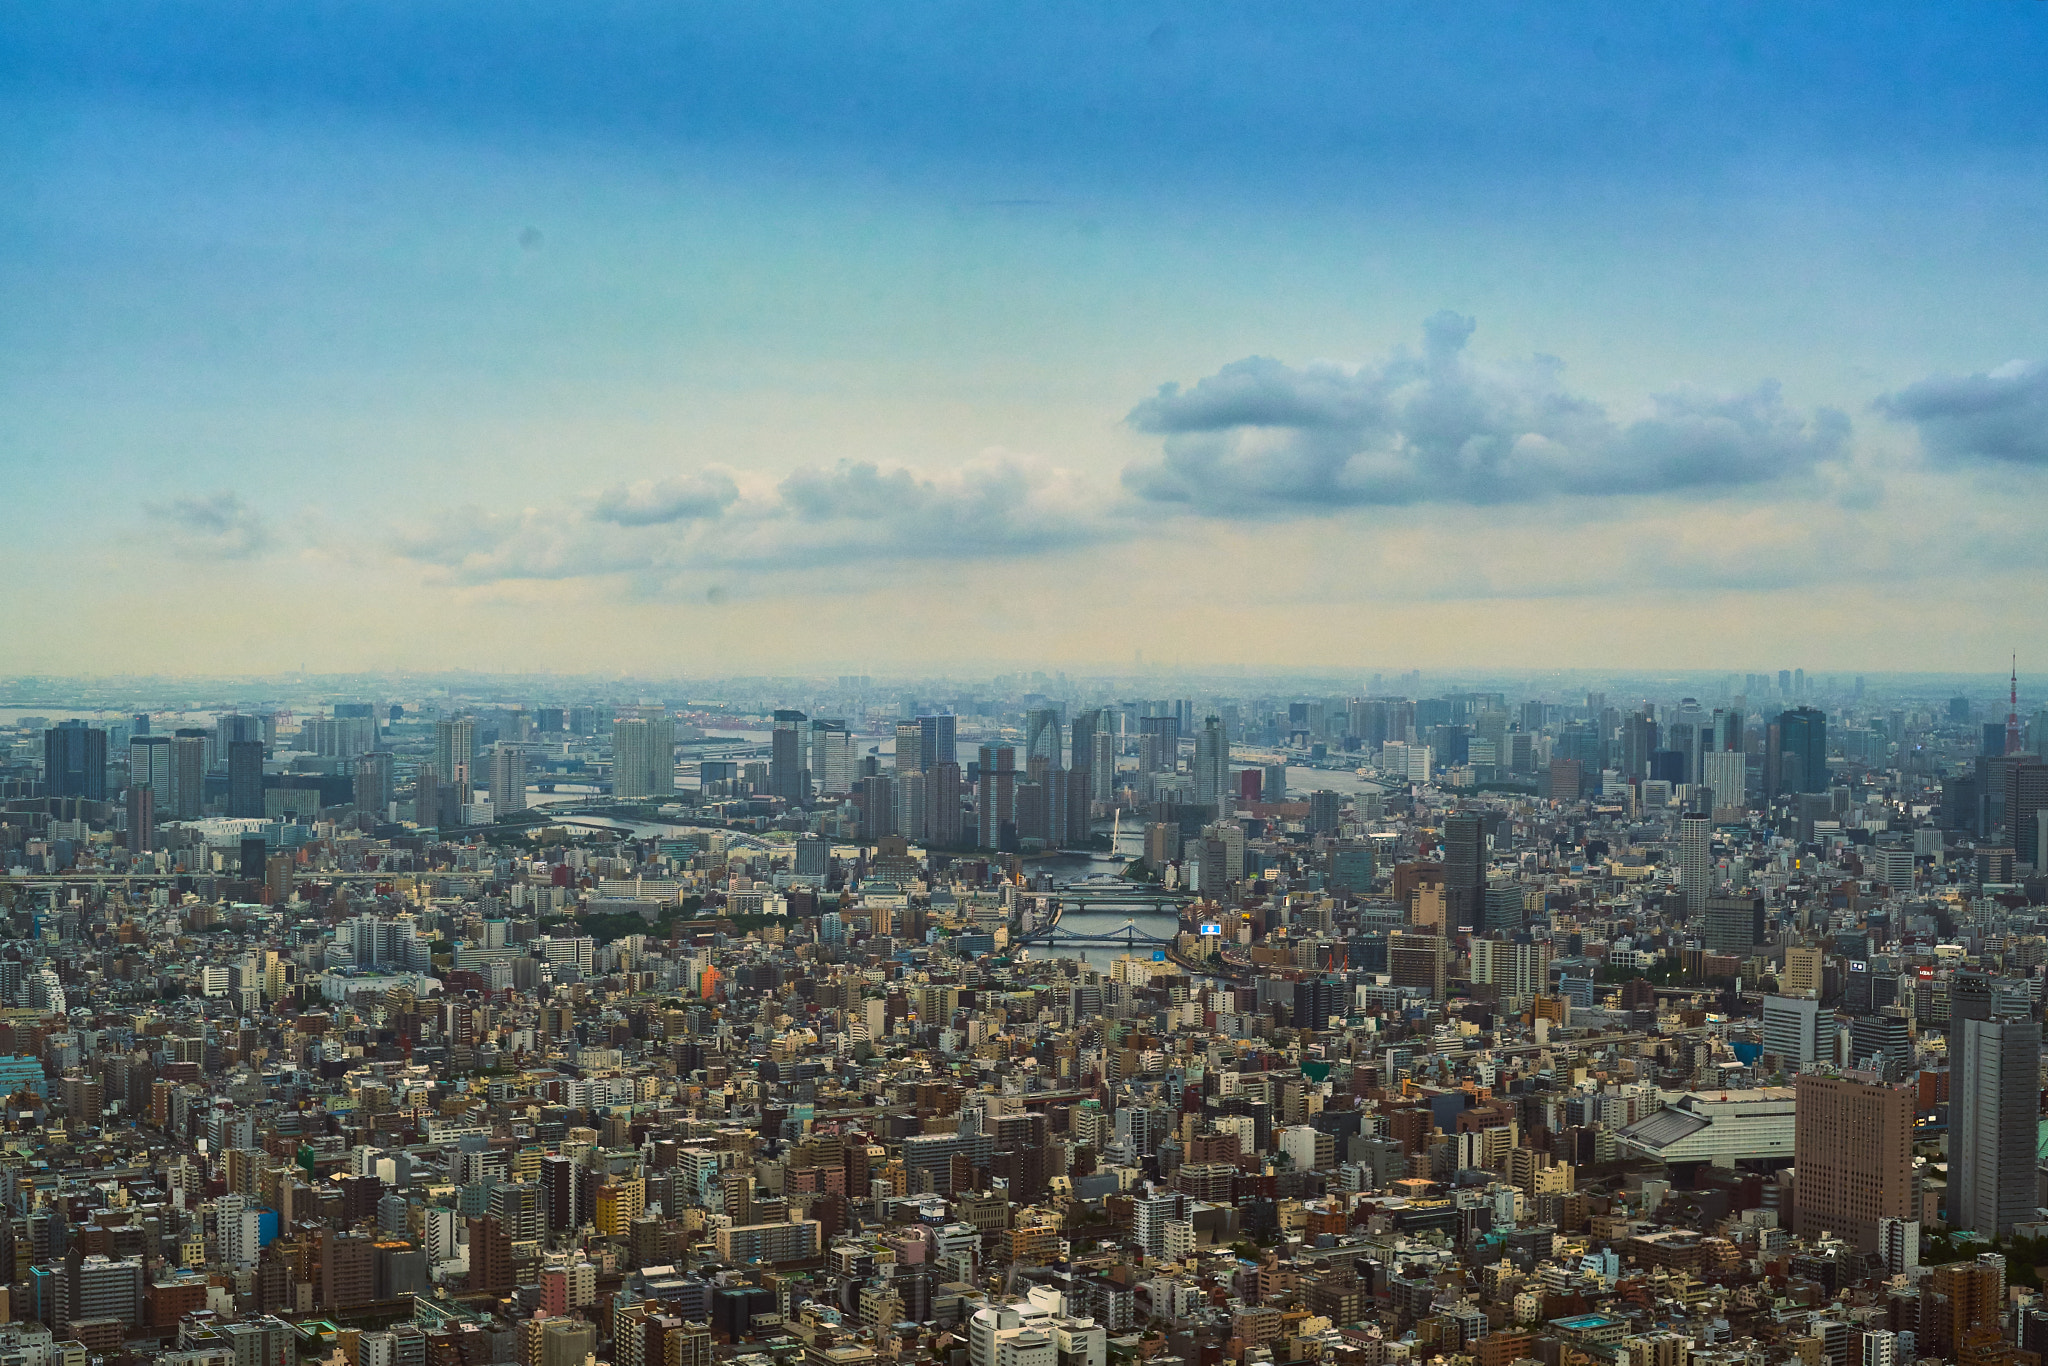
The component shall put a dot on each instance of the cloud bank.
(1996, 416)
(668, 535)
(1262, 443)
(1262, 438)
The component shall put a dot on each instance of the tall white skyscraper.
(455, 751)
(1727, 773)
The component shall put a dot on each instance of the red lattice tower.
(2012, 715)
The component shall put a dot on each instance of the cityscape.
(1170, 683)
(1035, 1019)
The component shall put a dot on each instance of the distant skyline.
(896, 339)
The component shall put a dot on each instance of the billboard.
(1211, 927)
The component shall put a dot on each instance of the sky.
(910, 337)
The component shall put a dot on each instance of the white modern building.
(1716, 1126)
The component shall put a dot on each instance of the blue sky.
(706, 337)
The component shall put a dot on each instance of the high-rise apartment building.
(632, 756)
(996, 798)
(1853, 1148)
(373, 786)
(1519, 971)
(455, 752)
(942, 820)
(508, 779)
(1695, 862)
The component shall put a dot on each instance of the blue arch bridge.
(1130, 936)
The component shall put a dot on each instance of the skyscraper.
(1325, 809)
(661, 754)
(1726, 774)
(1165, 733)
(1802, 751)
(1853, 1147)
(373, 784)
(75, 761)
(996, 798)
(149, 765)
(940, 741)
(1102, 771)
(909, 747)
(455, 752)
(632, 761)
(1993, 1106)
(1212, 765)
(1792, 1031)
(787, 776)
(835, 757)
(245, 777)
(1695, 862)
(1464, 867)
(426, 796)
(231, 727)
(1081, 743)
(141, 817)
(188, 774)
(1733, 924)
(508, 779)
(1042, 737)
(1638, 742)
(942, 804)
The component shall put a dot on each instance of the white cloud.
(1261, 438)
(667, 536)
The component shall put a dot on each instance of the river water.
(1066, 869)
